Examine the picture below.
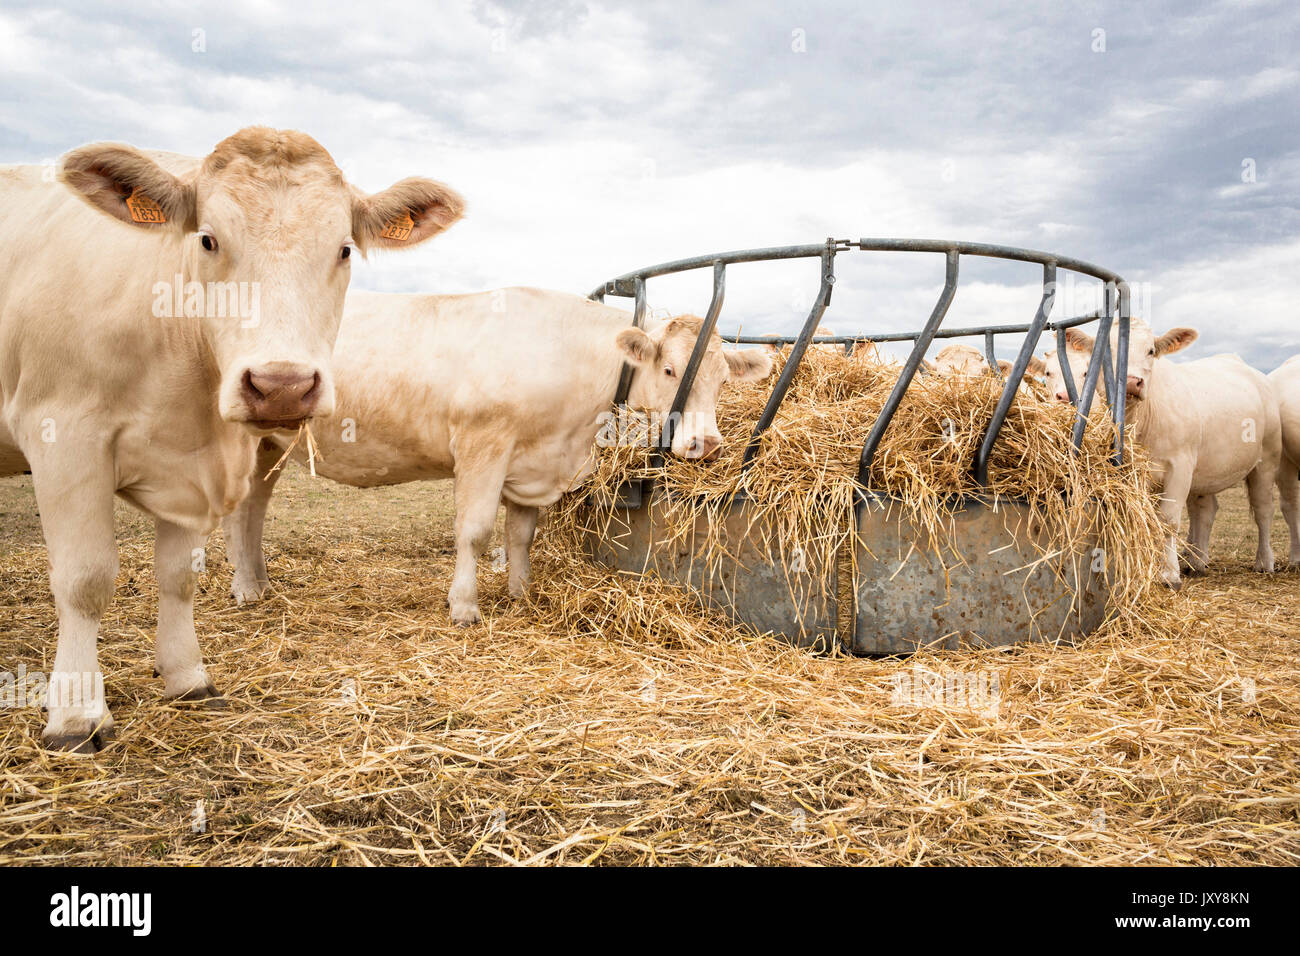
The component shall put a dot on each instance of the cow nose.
(703, 446)
(1063, 396)
(1135, 385)
(280, 397)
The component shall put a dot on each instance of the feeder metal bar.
(697, 356)
(923, 340)
(1017, 374)
(796, 356)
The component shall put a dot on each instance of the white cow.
(966, 361)
(1286, 387)
(158, 314)
(507, 393)
(1206, 425)
(957, 361)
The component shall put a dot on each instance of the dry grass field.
(362, 728)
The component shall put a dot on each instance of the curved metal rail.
(1116, 293)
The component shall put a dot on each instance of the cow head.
(1078, 352)
(266, 222)
(958, 360)
(1144, 347)
(660, 356)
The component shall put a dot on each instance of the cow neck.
(1140, 422)
(1148, 412)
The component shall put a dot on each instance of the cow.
(957, 361)
(506, 392)
(123, 371)
(966, 361)
(1286, 387)
(1205, 424)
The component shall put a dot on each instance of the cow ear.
(405, 214)
(1175, 340)
(1036, 367)
(747, 365)
(1079, 341)
(128, 185)
(639, 348)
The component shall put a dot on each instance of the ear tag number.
(144, 209)
(399, 229)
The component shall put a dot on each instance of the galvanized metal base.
(989, 585)
(743, 582)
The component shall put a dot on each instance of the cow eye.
(209, 241)
(345, 252)
(668, 370)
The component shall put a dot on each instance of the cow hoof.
(466, 617)
(248, 592)
(207, 696)
(1173, 585)
(82, 744)
(1197, 572)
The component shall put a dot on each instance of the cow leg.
(521, 523)
(77, 520)
(177, 659)
(478, 493)
(1259, 487)
(243, 529)
(1201, 510)
(1288, 488)
(1177, 485)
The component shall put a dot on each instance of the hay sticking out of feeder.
(802, 483)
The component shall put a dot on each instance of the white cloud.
(1244, 303)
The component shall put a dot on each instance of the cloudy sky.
(1157, 139)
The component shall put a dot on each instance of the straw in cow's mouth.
(313, 452)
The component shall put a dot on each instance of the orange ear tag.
(399, 229)
(144, 209)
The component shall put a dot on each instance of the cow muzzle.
(279, 395)
(703, 447)
(1137, 386)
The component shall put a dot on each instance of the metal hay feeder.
(907, 591)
